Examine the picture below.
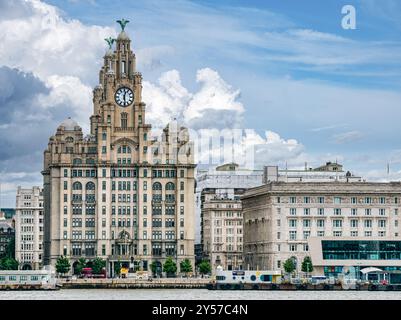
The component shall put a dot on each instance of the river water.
(195, 294)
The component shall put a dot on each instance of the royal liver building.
(118, 193)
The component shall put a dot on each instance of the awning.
(371, 269)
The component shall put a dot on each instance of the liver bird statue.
(110, 41)
(122, 23)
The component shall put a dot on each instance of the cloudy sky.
(304, 88)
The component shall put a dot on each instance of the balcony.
(126, 129)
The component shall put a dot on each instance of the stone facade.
(118, 193)
(222, 231)
(280, 217)
(29, 228)
(218, 200)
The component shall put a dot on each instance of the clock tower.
(118, 110)
(117, 193)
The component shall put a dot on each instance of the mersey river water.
(195, 294)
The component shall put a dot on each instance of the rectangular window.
(367, 223)
(293, 211)
(320, 211)
(293, 235)
(293, 200)
(320, 223)
(382, 200)
(337, 200)
(320, 199)
(292, 223)
(354, 200)
(306, 199)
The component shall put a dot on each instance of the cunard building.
(117, 193)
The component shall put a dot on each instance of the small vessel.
(44, 279)
(244, 279)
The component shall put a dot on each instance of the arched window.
(77, 186)
(157, 186)
(170, 186)
(90, 186)
(77, 161)
(124, 120)
(69, 139)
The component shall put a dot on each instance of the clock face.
(124, 97)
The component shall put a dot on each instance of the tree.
(289, 265)
(63, 265)
(98, 265)
(186, 266)
(117, 267)
(153, 267)
(10, 249)
(80, 265)
(7, 263)
(204, 267)
(170, 266)
(307, 264)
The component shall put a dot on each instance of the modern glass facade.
(361, 250)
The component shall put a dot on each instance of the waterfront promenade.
(162, 283)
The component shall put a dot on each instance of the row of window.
(89, 250)
(121, 210)
(336, 223)
(337, 211)
(123, 173)
(337, 200)
(321, 233)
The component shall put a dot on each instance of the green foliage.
(153, 267)
(204, 267)
(289, 265)
(10, 250)
(63, 265)
(7, 263)
(117, 267)
(170, 266)
(80, 265)
(186, 266)
(98, 265)
(307, 265)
